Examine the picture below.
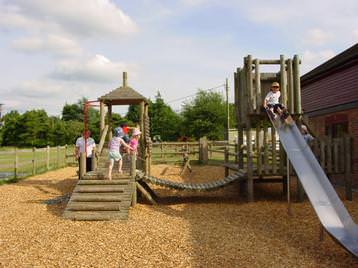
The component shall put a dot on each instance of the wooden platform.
(97, 198)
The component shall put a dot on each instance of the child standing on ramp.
(114, 152)
(271, 102)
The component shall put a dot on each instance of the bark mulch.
(186, 229)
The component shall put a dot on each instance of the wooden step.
(100, 197)
(99, 189)
(95, 215)
(104, 182)
(94, 206)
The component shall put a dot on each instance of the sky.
(56, 52)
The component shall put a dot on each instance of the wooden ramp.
(96, 198)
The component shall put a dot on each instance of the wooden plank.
(297, 84)
(94, 206)
(273, 144)
(257, 86)
(99, 188)
(103, 182)
(266, 164)
(95, 215)
(258, 148)
(98, 197)
(145, 193)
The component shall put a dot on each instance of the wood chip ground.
(215, 229)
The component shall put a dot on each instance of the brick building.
(330, 99)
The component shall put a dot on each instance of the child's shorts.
(275, 106)
(116, 156)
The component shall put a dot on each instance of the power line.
(182, 98)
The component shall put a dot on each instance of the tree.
(72, 112)
(163, 120)
(133, 113)
(10, 129)
(206, 116)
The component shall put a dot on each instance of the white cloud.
(312, 59)
(51, 43)
(78, 18)
(96, 69)
(317, 37)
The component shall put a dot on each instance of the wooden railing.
(15, 162)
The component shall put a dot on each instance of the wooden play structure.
(251, 87)
(94, 197)
(258, 155)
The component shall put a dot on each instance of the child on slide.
(271, 102)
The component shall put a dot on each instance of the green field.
(29, 162)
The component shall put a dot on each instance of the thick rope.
(208, 186)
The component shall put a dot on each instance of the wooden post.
(141, 141)
(58, 156)
(33, 160)
(227, 109)
(203, 151)
(94, 160)
(289, 211)
(241, 144)
(291, 97)
(48, 158)
(82, 168)
(347, 168)
(102, 115)
(258, 149)
(258, 86)
(244, 99)
(110, 128)
(249, 83)
(64, 157)
(273, 144)
(250, 181)
(283, 80)
(16, 163)
(133, 174)
(226, 159)
(297, 84)
(146, 139)
(265, 150)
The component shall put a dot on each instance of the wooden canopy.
(123, 95)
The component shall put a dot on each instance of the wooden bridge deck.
(97, 198)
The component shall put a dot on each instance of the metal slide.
(324, 199)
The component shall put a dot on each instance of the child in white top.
(271, 100)
(114, 152)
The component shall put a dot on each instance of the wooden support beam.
(110, 128)
(290, 93)
(145, 194)
(102, 115)
(249, 85)
(297, 84)
(250, 184)
(283, 80)
(258, 87)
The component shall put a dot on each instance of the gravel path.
(215, 229)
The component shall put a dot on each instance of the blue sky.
(53, 52)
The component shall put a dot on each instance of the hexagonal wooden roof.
(123, 95)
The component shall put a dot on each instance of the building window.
(336, 125)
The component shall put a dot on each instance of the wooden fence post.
(94, 160)
(82, 167)
(203, 154)
(133, 174)
(226, 159)
(48, 158)
(65, 157)
(33, 160)
(16, 164)
(347, 169)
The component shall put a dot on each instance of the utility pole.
(227, 109)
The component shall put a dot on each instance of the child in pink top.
(134, 140)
